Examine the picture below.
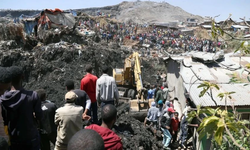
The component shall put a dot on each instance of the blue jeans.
(166, 138)
(184, 133)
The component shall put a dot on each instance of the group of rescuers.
(31, 122)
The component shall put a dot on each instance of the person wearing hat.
(68, 120)
(152, 117)
(165, 127)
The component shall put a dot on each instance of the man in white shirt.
(106, 89)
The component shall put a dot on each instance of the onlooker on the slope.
(86, 139)
(111, 140)
(152, 117)
(68, 120)
(5, 83)
(88, 84)
(184, 125)
(82, 98)
(165, 127)
(19, 108)
(150, 92)
(106, 89)
(175, 126)
(47, 124)
(159, 95)
(5, 80)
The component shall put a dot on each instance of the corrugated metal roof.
(190, 70)
(239, 98)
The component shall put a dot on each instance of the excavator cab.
(129, 82)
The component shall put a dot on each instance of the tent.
(57, 18)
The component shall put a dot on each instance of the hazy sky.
(238, 8)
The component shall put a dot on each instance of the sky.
(238, 8)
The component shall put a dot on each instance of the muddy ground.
(49, 66)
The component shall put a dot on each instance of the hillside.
(139, 12)
(144, 12)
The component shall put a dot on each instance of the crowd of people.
(162, 116)
(157, 37)
(32, 122)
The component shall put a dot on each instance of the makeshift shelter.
(186, 75)
(57, 18)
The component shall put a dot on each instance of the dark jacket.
(82, 98)
(165, 120)
(159, 95)
(18, 110)
(47, 124)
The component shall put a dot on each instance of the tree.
(224, 126)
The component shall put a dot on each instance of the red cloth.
(111, 140)
(175, 124)
(88, 84)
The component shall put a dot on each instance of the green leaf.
(218, 135)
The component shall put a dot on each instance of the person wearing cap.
(152, 117)
(68, 120)
(106, 89)
(165, 127)
(88, 84)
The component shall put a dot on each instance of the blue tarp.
(28, 26)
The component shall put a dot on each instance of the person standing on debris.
(82, 98)
(88, 84)
(159, 94)
(175, 126)
(165, 127)
(184, 125)
(47, 126)
(5, 84)
(106, 89)
(19, 108)
(68, 120)
(152, 117)
(150, 92)
(111, 140)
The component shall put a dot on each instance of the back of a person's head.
(108, 113)
(105, 69)
(41, 94)
(16, 74)
(69, 85)
(89, 68)
(5, 75)
(86, 139)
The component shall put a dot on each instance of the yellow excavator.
(129, 81)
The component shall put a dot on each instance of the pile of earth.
(48, 65)
(135, 11)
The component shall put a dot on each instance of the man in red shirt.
(111, 140)
(175, 126)
(88, 84)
